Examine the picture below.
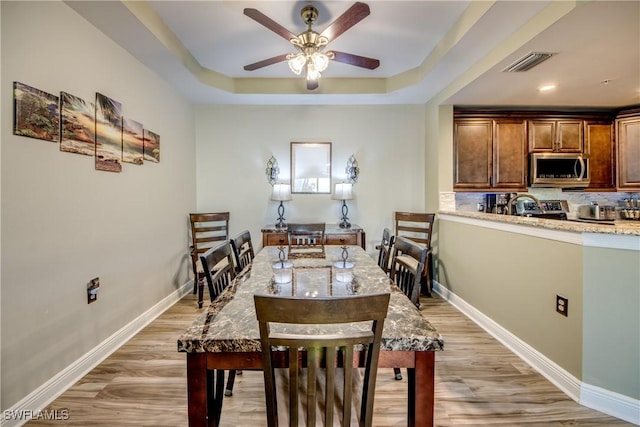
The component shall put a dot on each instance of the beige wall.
(611, 340)
(235, 142)
(63, 222)
(514, 279)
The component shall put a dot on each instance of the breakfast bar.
(577, 281)
(225, 336)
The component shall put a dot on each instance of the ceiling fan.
(310, 44)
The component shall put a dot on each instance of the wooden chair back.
(407, 267)
(306, 239)
(219, 268)
(384, 250)
(419, 228)
(207, 231)
(415, 226)
(316, 351)
(243, 250)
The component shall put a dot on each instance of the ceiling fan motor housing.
(309, 15)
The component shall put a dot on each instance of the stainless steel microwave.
(564, 170)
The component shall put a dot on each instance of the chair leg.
(200, 290)
(230, 381)
(398, 374)
(215, 384)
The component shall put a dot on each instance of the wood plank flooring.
(478, 383)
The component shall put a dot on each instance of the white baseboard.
(32, 405)
(609, 402)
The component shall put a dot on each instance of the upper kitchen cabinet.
(560, 136)
(490, 155)
(628, 148)
(472, 153)
(599, 148)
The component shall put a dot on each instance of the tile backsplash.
(469, 201)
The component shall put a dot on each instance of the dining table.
(225, 335)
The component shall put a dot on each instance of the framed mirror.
(311, 167)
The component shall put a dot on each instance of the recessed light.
(606, 81)
(546, 88)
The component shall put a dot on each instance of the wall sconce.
(281, 192)
(343, 192)
(352, 170)
(272, 170)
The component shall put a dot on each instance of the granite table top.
(229, 323)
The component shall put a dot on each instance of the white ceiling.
(453, 50)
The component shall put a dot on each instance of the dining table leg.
(421, 390)
(197, 389)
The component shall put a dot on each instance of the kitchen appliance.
(563, 170)
(550, 209)
(596, 212)
(496, 202)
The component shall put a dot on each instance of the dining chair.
(321, 351)
(384, 250)
(306, 239)
(407, 266)
(207, 230)
(419, 228)
(243, 250)
(219, 270)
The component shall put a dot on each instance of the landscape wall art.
(78, 125)
(36, 113)
(108, 134)
(82, 127)
(151, 146)
(132, 142)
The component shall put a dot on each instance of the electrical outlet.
(562, 305)
(92, 290)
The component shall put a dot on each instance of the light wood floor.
(478, 382)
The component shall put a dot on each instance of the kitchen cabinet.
(628, 148)
(490, 155)
(559, 136)
(599, 149)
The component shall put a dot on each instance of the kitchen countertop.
(619, 227)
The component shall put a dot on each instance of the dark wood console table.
(354, 235)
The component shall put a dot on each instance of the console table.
(334, 235)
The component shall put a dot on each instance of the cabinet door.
(555, 136)
(569, 136)
(599, 149)
(472, 145)
(628, 145)
(510, 155)
(541, 135)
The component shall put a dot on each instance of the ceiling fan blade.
(265, 62)
(356, 60)
(263, 19)
(351, 17)
(312, 84)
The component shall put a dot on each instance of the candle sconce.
(352, 170)
(272, 171)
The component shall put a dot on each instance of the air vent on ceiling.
(528, 61)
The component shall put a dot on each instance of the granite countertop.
(229, 324)
(620, 227)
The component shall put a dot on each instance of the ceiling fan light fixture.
(297, 62)
(320, 61)
(312, 73)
